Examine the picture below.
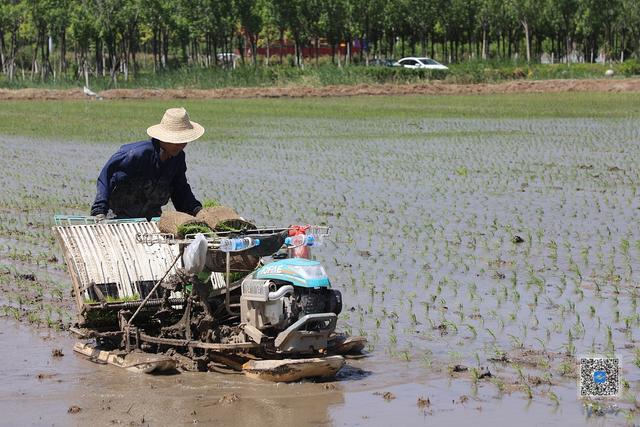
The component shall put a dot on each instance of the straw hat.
(176, 128)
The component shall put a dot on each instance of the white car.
(415, 62)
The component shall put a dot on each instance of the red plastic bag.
(303, 251)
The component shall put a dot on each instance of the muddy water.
(40, 389)
(425, 216)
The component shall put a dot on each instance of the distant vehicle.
(378, 62)
(415, 63)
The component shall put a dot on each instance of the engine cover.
(297, 271)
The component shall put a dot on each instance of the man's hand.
(100, 217)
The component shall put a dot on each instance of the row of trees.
(45, 37)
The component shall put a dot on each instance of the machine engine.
(292, 302)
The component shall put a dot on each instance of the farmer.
(141, 177)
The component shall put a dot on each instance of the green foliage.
(628, 68)
(225, 226)
(113, 43)
(185, 229)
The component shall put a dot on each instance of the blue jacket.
(136, 184)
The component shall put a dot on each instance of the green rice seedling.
(414, 320)
(427, 361)
(520, 374)
(33, 317)
(393, 338)
(624, 247)
(516, 341)
(185, 229)
(553, 247)
(515, 296)
(475, 375)
(536, 322)
(499, 383)
(472, 329)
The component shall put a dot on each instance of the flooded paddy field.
(479, 253)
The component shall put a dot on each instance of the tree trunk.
(433, 47)
(85, 69)
(125, 59)
(525, 26)
(281, 44)
(210, 41)
(98, 57)
(165, 49)
(215, 52)
(241, 45)
(451, 51)
(34, 59)
(46, 50)
(266, 62)
(484, 43)
(184, 46)
(2, 59)
(154, 48)
(254, 49)
(133, 47)
(12, 60)
(63, 51)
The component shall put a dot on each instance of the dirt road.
(432, 88)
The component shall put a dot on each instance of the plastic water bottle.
(300, 240)
(238, 244)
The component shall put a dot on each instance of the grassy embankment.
(326, 74)
(228, 120)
